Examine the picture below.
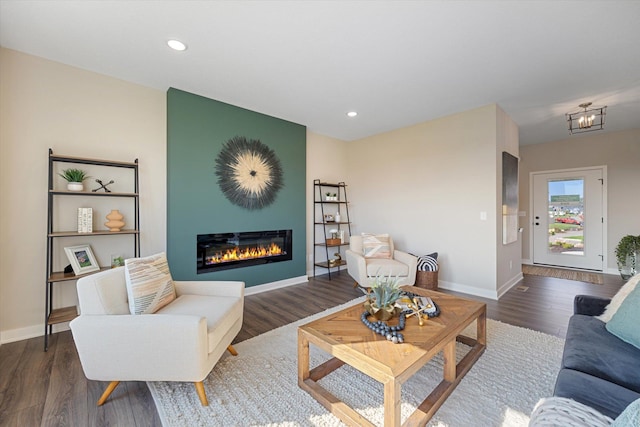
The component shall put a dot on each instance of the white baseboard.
(276, 285)
(470, 290)
(19, 334)
(509, 284)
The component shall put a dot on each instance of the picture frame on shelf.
(82, 259)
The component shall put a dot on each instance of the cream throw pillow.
(376, 246)
(149, 283)
(617, 299)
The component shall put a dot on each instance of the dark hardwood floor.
(50, 389)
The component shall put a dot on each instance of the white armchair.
(364, 269)
(180, 342)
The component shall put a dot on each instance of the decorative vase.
(75, 186)
(629, 268)
(115, 222)
(384, 313)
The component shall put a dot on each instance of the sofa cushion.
(618, 298)
(149, 283)
(386, 267)
(591, 349)
(606, 397)
(625, 323)
(221, 313)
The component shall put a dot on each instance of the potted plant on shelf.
(627, 255)
(74, 178)
(331, 197)
(381, 304)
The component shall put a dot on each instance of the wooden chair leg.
(201, 394)
(112, 386)
(232, 350)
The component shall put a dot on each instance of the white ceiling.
(395, 62)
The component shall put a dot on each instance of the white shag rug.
(259, 386)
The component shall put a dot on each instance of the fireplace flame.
(238, 254)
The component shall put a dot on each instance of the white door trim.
(605, 228)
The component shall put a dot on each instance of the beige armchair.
(364, 269)
(180, 342)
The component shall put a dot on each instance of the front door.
(568, 220)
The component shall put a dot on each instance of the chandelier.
(586, 120)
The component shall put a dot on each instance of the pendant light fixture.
(588, 119)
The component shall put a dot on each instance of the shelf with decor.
(332, 225)
(83, 262)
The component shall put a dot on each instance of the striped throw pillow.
(149, 283)
(428, 262)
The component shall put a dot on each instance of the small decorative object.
(328, 218)
(103, 186)
(337, 217)
(419, 306)
(335, 261)
(391, 333)
(115, 222)
(381, 304)
(249, 173)
(81, 259)
(74, 178)
(117, 261)
(334, 240)
(627, 256)
(85, 220)
(331, 197)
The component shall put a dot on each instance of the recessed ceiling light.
(177, 45)
(352, 113)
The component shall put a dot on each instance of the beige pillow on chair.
(376, 246)
(149, 283)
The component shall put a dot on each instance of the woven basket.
(427, 279)
(333, 242)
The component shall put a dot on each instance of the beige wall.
(326, 161)
(44, 104)
(508, 265)
(427, 186)
(619, 151)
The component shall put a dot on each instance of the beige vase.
(115, 222)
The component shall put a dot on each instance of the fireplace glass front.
(223, 251)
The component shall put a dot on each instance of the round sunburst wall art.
(249, 173)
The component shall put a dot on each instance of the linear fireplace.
(223, 251)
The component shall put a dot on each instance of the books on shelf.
(85, 220)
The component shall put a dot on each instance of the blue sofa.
(598, 369)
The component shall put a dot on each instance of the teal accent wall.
(197, 127)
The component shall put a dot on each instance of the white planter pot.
(75, 186)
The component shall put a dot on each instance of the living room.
(425, 183)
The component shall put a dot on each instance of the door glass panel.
(566, 217)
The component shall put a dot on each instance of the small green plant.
(74, 175)
(385, 290)
(628, 246)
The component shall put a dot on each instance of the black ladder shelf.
(329, 200)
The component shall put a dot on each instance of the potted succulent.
(74, 178)
(331, 197)
(627, 256)
(385, 291)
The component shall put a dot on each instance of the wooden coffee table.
(343, 335)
